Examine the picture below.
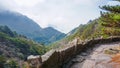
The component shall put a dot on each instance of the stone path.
(97, 58)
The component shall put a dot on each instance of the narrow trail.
(97, 58)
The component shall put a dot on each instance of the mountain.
(26, 26)
(19, 23)
(50, 35)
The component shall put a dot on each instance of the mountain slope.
(83, 32)
(72, 31)
(26, 26)
(19, 23)
(16, 47)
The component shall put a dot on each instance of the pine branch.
(113, 9)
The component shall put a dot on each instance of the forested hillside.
(15, 48)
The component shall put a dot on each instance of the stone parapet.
(58, 58)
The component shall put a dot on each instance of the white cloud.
(28, 3)
(113, 3)
(7, 4)
(63, 15)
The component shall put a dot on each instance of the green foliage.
(11, 64)
(24, 65)
(28, 46)
(111, 20)
(113, 9)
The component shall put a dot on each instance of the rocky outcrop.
(34, 61)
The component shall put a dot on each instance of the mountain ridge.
(26, 26)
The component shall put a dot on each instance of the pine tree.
(111, 19)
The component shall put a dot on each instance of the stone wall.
(56, 58)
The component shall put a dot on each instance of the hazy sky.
(64, 15)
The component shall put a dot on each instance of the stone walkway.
(97, 57)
